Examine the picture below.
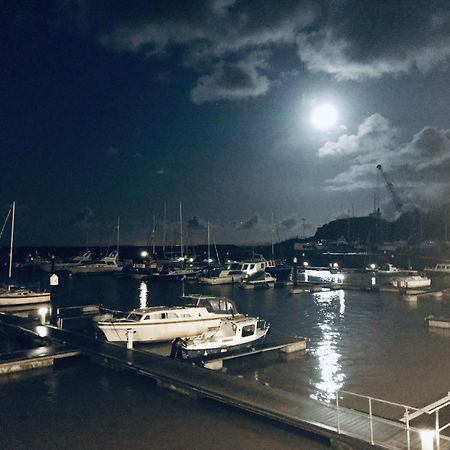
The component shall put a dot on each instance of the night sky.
(117, 108)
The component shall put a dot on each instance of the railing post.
(130, 333)
(408, 436)
(370, 420)
(438, 440)
(337, 409)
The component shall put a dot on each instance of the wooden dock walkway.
(43, 356)
(280, 406)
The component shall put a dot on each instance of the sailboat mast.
(209, 246)
(118, 234)
(181, 232)
(273, 238)
(12, 242)
(153, 235)
(164, 230)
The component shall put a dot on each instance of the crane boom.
(391, 189)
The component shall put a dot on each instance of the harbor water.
(371, 343)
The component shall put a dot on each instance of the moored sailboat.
(12, 295)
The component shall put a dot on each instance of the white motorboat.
(66, 265)
(108, 264)
(277, 269)
(12, 295)
(388, 269)
(168, 274)
(411, 281)
(164, 323)
(233, 336)
(223, 276)
(258, 279)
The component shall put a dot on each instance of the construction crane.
(391, 189)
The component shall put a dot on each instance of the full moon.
(324, 116)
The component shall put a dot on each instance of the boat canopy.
(218, 305)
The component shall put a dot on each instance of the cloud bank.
(419, 168)
(222, 40)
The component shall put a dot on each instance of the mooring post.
(130, 333)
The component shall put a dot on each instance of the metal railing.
(410, 413)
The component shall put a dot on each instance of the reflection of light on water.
(332, 377)
(143, 294)
(330, 296)
(325, 275)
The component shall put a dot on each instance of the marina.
(319, 413)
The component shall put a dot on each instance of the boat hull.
(84, 270)
(213, 281)
(11, 299)
(214, 352)
(157, 332)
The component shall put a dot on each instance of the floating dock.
(438, 322)
(342, 427)
(39, 357)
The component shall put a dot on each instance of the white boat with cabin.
(278, 270)
(107, 264)
(388, 269)
(234, 335)
(223, 276)
(164, 323)
(258, 279)
(67, 264)
(411, 281)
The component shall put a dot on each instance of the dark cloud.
(232, 81)
(289, 223)
(250, 224)
(83, 218)
(350, 39)
(195, 223)
(360, 39)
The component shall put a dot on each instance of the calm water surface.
(369, 343)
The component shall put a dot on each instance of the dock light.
(144, 254)
(43, 313)
(42, 331)
(210, 260)
(427, 439)
(305, 264)
(335, 265)
(191, 260)
(373, 266)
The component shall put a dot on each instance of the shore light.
(144, 254)
(43, 313)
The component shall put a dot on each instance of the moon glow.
(324, 116)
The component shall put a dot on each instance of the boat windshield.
(218, 305)
(134, 316)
